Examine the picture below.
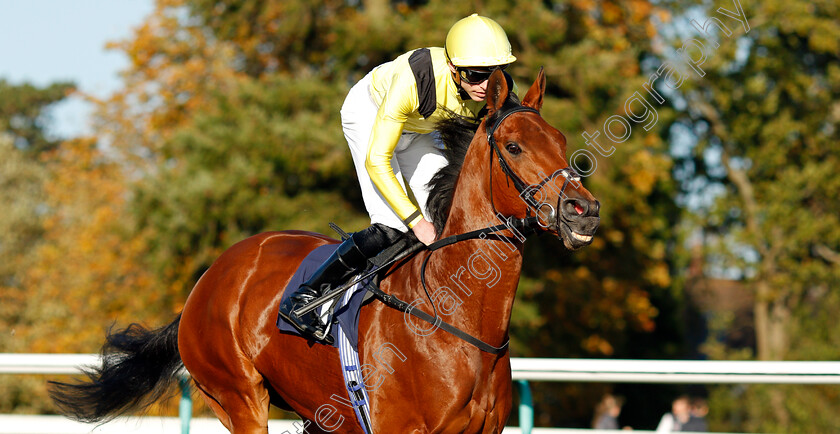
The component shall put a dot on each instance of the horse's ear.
(497, 91)
(534, 97)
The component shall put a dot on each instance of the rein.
(526, 224)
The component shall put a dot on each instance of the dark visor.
(476, 75)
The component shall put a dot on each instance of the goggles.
(477, 76)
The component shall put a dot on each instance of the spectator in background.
(677, 418)
(697, 418)
(606, 412)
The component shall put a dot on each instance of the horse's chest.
(432, 405)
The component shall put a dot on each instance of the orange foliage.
(174, 67)
(86, 273)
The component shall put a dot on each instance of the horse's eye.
(513, 148)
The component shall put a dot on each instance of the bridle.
(528, 192)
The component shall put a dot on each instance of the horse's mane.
(456, 133)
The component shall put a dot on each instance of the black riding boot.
(342, 263)
(351, 255)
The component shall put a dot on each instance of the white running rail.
(542, 369)
(676, 371)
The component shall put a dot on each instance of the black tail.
(138, 368)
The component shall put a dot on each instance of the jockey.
(389, 120)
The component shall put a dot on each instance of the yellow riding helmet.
(478, 41)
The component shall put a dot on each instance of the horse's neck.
(472, 206)
(482, 273)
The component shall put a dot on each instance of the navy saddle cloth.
(346, 314)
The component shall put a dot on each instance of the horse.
(419, 379)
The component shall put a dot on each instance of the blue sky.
(43, 41)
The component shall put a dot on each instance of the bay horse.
(419, 379)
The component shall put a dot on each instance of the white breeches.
(416, 159)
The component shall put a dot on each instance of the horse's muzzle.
(577, 221)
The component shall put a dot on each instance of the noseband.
(527, 192)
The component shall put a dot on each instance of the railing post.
(185, 406)
(526, 407)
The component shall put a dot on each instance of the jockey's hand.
(424, 231)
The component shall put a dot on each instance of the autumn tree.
(24, 117)
(763, 119)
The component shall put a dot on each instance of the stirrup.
(306, 328)
(325, 336)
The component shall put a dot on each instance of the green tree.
(24, 113)
(21, 181)
(765, 121)
(264, 156)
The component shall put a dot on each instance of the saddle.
(343, 304)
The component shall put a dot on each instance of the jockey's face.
(475, 91)
(472, 80)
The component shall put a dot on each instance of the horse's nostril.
(573, 208)
(579, 208)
